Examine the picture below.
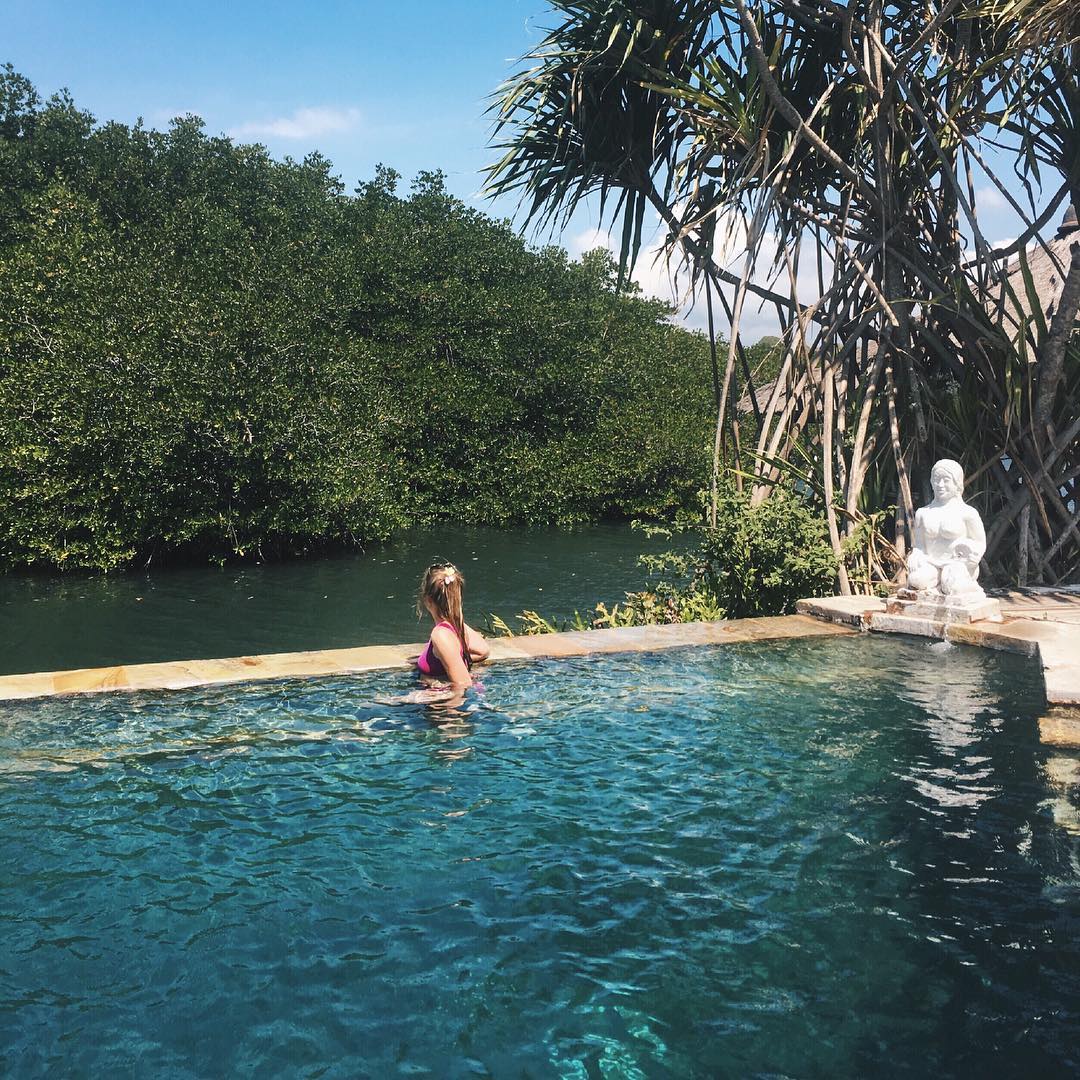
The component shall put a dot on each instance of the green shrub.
(759, 560)
(208, 353)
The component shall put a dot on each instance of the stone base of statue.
(964, 608)
(927, 614)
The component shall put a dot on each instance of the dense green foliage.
(206, 351)
(760, 559)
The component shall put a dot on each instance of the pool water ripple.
(811, 859)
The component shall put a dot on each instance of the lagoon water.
(55, 622)
(819, 858)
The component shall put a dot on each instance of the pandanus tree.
(839, 147)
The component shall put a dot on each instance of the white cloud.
(303, 123)
(989, 198)
(656, 278)
(651, 271)
(588, 240)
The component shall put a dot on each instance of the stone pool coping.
(184, 674)
(1052, 637)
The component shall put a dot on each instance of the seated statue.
(949, 540)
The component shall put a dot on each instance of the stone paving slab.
(1059, 603)
(188, 673)
(1061, 727)
(887, 623)
(847, 610)
(1016, 636)
(179, 675)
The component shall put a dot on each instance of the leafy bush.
(208, 353)
(759, 560)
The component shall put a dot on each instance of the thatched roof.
(764, 393)
(1048, 266)
(765, 390)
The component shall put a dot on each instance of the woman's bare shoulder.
(443, 635)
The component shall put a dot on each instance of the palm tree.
(842, 143)
(1035, 23)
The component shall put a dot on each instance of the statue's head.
(947, 479)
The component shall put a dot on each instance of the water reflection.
(1063, 777)
(361, 598)
(952, 695)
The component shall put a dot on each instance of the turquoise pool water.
(818, 858)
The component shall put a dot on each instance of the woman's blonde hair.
(442, 587)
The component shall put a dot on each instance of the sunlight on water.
(813, 858)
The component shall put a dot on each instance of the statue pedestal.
(941, 608)
(927, 614)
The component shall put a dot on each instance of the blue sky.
(404, 83)
(365, 82)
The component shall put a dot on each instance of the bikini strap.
(461, 641)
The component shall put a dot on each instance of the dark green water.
(835, 858)
(52, 623)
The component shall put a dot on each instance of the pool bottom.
(799, 859)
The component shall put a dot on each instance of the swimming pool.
(811, 858)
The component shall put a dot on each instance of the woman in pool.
(454, 645)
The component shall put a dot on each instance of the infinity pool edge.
(185, 674)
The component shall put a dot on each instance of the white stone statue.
(949, 541)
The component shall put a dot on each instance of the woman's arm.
(448, 649)
(478, 647)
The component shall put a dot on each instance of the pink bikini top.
(430, 664)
